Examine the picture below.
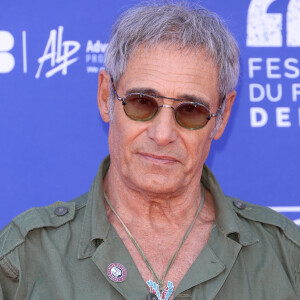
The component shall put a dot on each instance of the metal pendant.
(152, 296)
(157, 294)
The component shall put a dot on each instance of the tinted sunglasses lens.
(140, 107)
(191, 116)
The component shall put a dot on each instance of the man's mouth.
(158, 159)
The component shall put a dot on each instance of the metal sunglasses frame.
(123, 99)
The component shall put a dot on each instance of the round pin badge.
(116, 272)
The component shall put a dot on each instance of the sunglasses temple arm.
(220, 107)
(115, 92)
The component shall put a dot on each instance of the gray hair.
(181, 24)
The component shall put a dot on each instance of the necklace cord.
(160, 282)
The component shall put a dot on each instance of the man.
(155, 223)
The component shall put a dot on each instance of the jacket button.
(239, 204)
(61, 210)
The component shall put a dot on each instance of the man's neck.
(152, 209)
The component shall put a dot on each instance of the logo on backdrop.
(274, 88)
(58, 55)
(7, 60)
(94, 57)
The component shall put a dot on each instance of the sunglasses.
(143, 107)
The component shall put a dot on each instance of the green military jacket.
(62, 252)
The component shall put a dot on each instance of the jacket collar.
(95, 223)
(227, 219)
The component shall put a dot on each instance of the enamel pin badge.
(116, 272)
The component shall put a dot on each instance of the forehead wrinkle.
(148, 91)
(158, 77)
(157, 72)
(156, 66)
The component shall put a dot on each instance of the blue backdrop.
(52, 139)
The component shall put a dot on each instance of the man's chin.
(155, 184)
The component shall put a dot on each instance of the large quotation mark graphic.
(265, 29)
(7, 60)
(293, 24)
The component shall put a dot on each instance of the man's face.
(160, 156)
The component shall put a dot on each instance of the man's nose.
(163, 126)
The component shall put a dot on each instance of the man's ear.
(104, 95)
(229, 101)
